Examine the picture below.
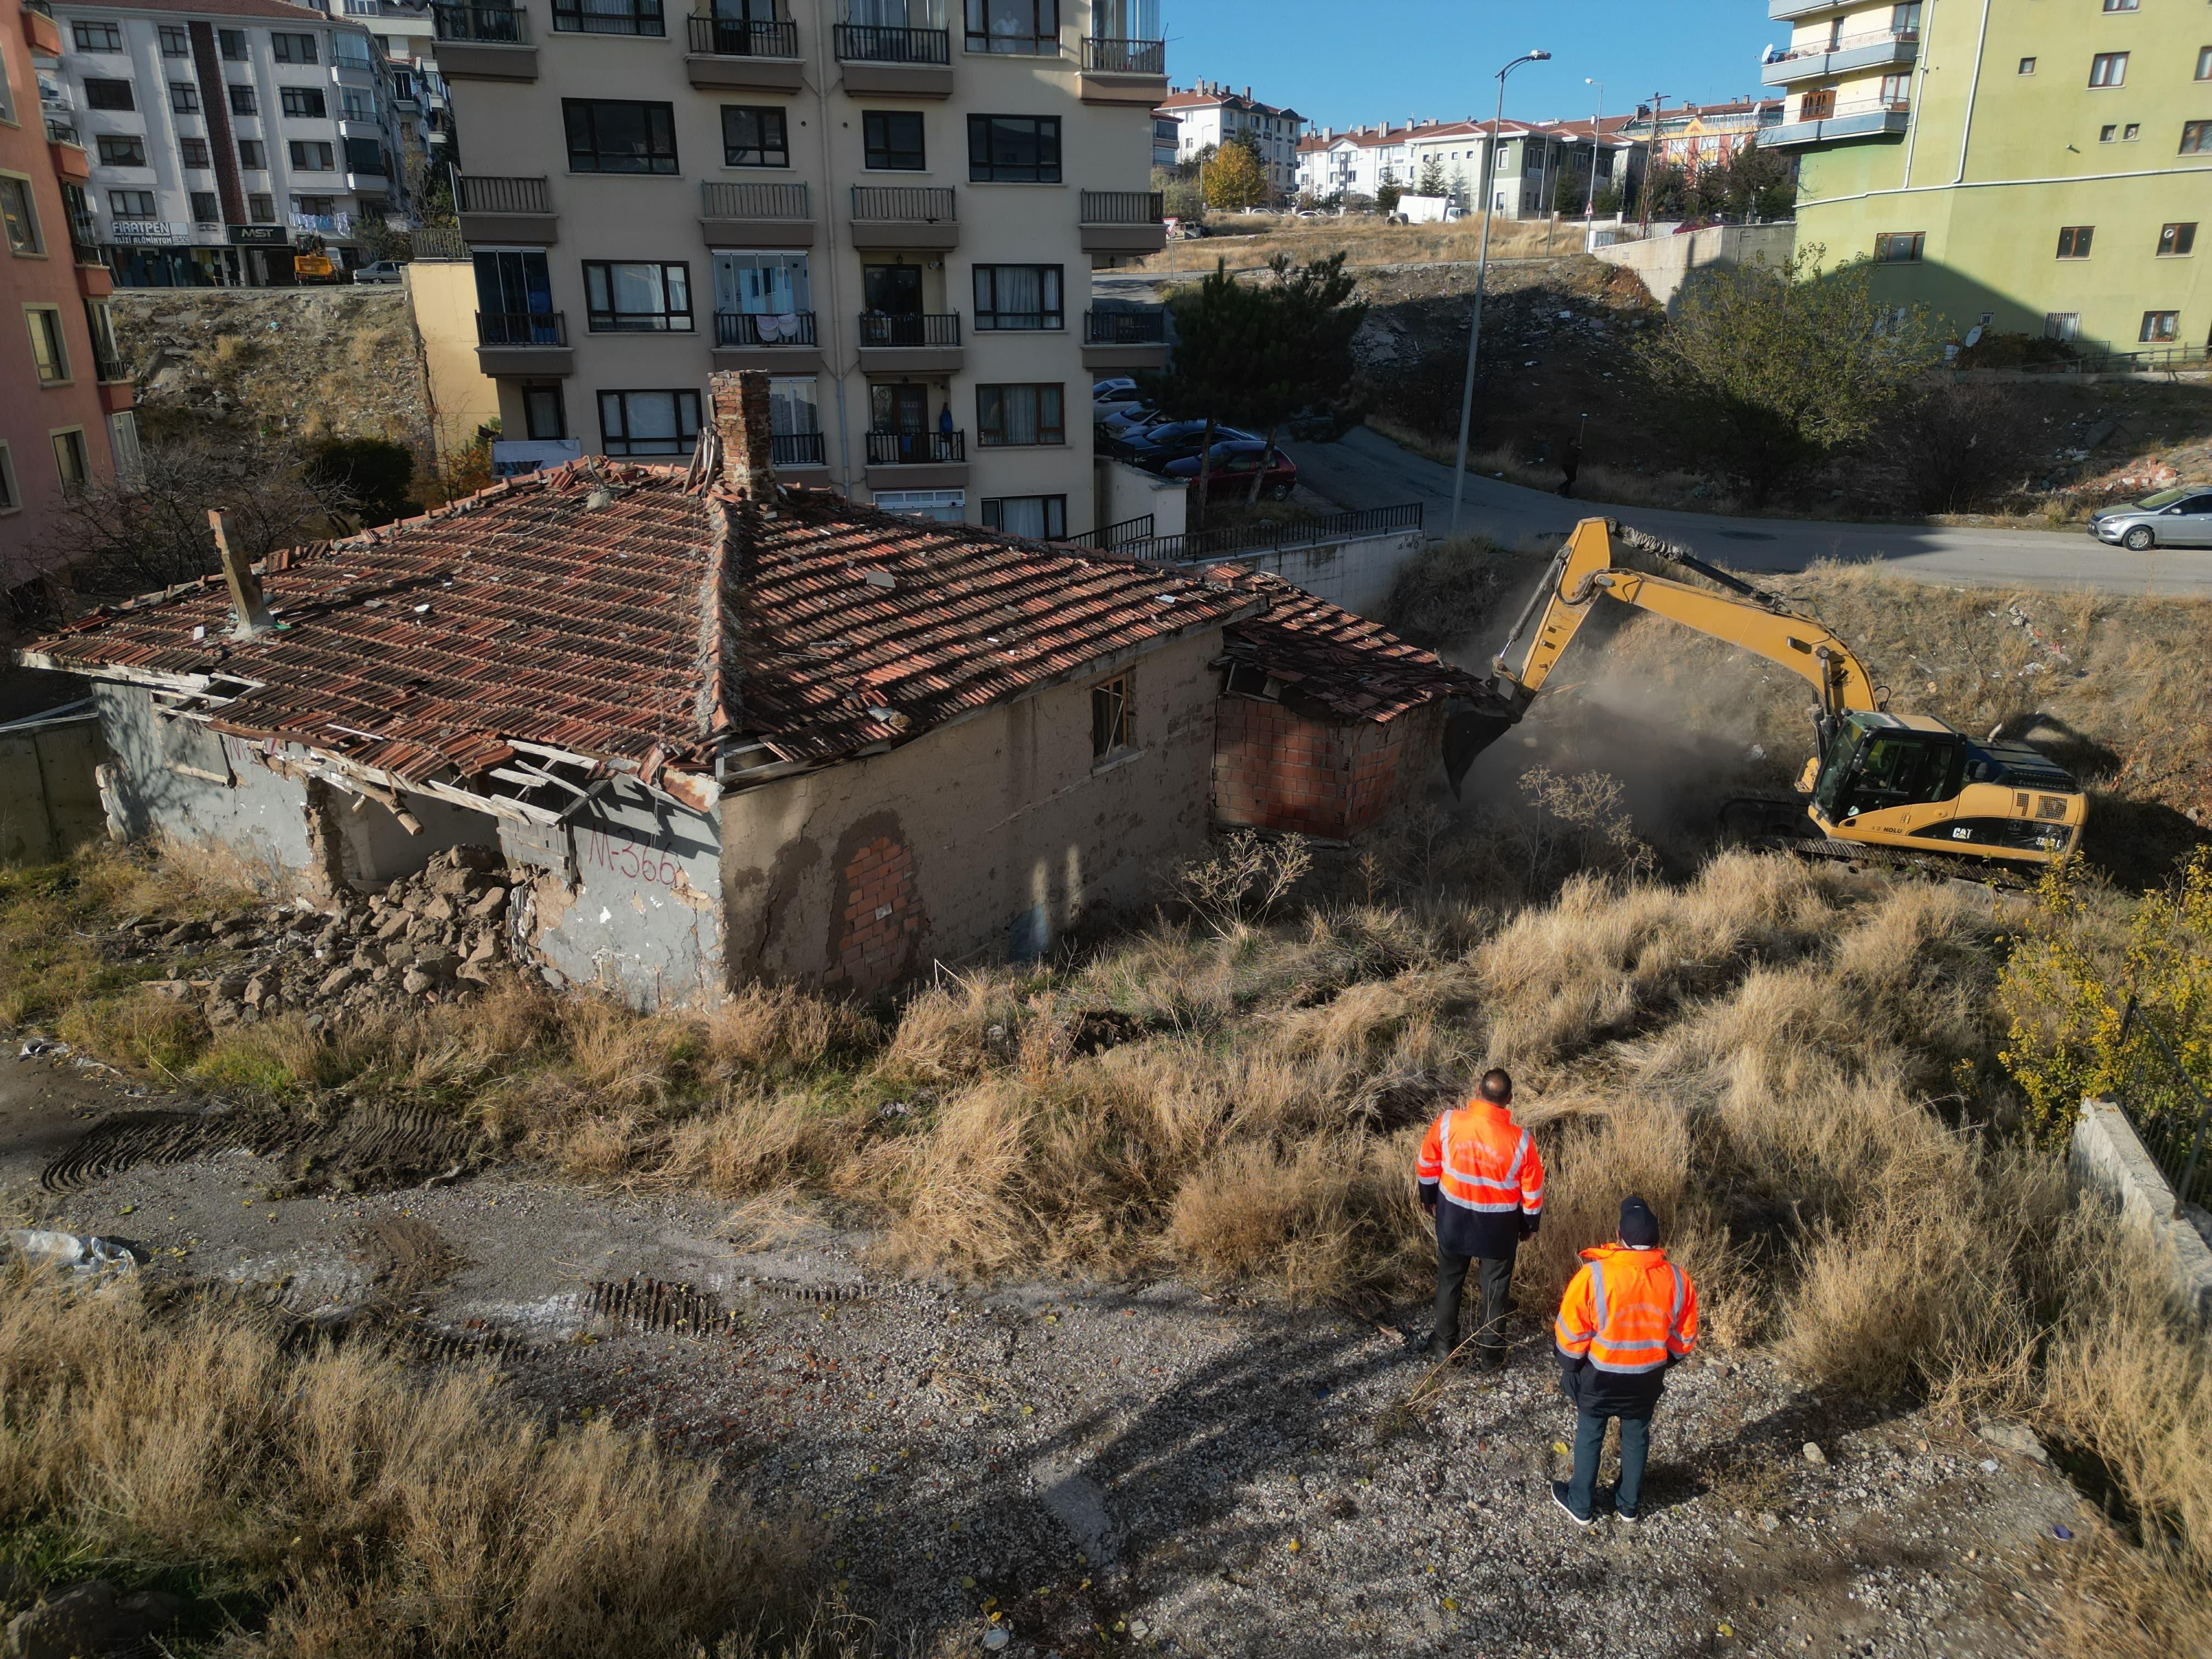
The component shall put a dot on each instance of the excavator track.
(1890, 861)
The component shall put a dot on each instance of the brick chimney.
(245, 598)
(740, 403)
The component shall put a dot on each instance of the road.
(1367, 470)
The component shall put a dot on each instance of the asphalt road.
(1367, 470)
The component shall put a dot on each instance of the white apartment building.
(1210, 114)
(1531, 161)
(1353, 162)
(893, 211)
(408, 35)
(221, 131)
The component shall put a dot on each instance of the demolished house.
(722, 729)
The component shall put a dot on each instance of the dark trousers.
(1493, 1286)
(1590, 1441)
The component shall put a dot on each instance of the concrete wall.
(1125, 492)
(442, 295)
(1274, 769)
(49, 802)
(2108, 1159)
(1356, 574)
(1666, 262)
(993, 835)
(375, 848)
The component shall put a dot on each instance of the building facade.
(893, 212)
(1696, 135)
(422, 119)
(223, 132)
(1357, 161)
(66, 421)
(1209, 114)
(2046, 170)
(1531, 164)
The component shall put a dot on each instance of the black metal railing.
(1123, 207)
(2167, 1109)
(1125, 327)
(107, 366)
(522, 328)
(490, 193)
(869, 43)
(917, 202)
(916, 449)
(1262, 538)
(495, 26)
(739, 37)
(1116, 535)
(1107, 56)
(721, 201)
(931, 328)
(745, 328)
(796, 449)
(59, 131)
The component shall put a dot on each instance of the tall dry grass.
(1249, 241)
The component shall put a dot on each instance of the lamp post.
(1597, 142)
(1481, 271)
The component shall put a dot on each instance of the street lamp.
(1482, 270)
(1597, 137)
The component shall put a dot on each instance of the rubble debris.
(92, 1254)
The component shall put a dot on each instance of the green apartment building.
(2040, 166)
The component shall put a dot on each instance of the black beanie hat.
(1639, 1227)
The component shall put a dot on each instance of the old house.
(738, 730)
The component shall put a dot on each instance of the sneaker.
(1621, 1514)
(1559, 1496)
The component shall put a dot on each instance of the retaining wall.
(1667, 262)
(1356, 574)
(2108, 1157)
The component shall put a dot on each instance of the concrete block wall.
(642, 919)
(2107, 1158)
(49, 802)
(1274, 769)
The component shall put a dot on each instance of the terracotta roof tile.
(1341, 664)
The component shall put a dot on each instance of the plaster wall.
(443, 296)
(1356, 574)
(1666, 262)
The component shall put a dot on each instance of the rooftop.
(1332, 663)
(276, 10)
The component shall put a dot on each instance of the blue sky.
(1342, 62)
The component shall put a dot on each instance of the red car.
(1234, 463)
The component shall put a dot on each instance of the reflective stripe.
(1674, 1318)
(1451, 1197)
(1566, 1335)
(1626, 1370)
(1598, 1294)
(1520, 1151)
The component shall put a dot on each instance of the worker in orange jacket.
(1628, 1315)
(1482, 1182)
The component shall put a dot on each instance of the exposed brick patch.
(876, 917)
(1277, 769)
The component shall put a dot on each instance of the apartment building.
(2041, 169)
(221, 132)
(1531, 163)
(1357, 161)
(894, 212)
(1209, 114)
(66, 421)
(1694, 135)
(423, 115)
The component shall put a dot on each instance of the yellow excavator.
(1880, 787)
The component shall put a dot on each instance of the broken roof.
(1341, 666)
(614, 613)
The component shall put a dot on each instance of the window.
(195, 152)
(1110, 718)
(2174, 241)
(649, 423)
(1896, 90)
(1021, 149)
(1030, 27)
(123, 439)
(762, 284)
(544, 415)
(2108, 68)
(2132, 131)
(2204, 62)
(315, 207)
(755, 138)
(893, 140)
(106, 355)
(108, 95)
(1899, 247)
(1018, 416)
(49, 352)
(365, 155)
(791, 406)
(10, 498)
(513, 282)
(310, 156)
(19, 215)
(184, 98)
(232, 43)
(69, 462)
(205, 211)
(2027, 66)
(608, 137)
(2159, 327)
(176, 41)
(1905, 18)
(2197, 138)
(261, 208)
(355, 105)
(252, 155)
(97, 37)
(351, 51)
(1017, 296)
(627, 297)
(2073, 241)
(2120, 5)
(241, 99)
(608, 16)
(1034, 517)
(293, 48)
(305, 101)
(2105, 135)
(131, 203)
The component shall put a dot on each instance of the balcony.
(896, 63)
(782, 344)
(1119, 341)
(497, 210)
(524, 343)
(1822, 121)
(1784, 10)
(1124, 72)
(758, 57)
(755, 215)
(1123, 221)
(1875, 48)
(67, 148)
(40, 31)
(917, 460)
(484, 43)
(904, 216)
(915, 343)
(793, 451)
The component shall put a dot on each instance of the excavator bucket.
(1472, 723)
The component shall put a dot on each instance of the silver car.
(2172, 517)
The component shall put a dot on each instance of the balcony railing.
(869, 43)
(721, 201)
(521, 328)
(909, 202)
(63, 132)
(796, 449)
(498, 26)
(1823, 106)
(745, 328)
(1851, 43)
(909, 328)
(1103, 57)
(107, 366)
(1123, 207)
(1125, 327)
(484, 192)
(916, 449)
(736, 37)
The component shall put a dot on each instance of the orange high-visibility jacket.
(1479, 1158)
(1627, 1311)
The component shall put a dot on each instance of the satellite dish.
(1973, 337)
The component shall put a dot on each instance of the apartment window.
(1033, 518)
(2106, 135)
(605, 136)
(293, 48)
(2174, 241)
(241, 99)
(1905, 18)
(97, 37)
(108, 95)
(261, 208)
(2204, 62)
(354, 105)
(176, 41)
(1018, 416)
(365, 155)
(1017, 149)
(123, 439)
(2159, 327)
(755, 138)
(937, 506)
(18, 216)
(893, 140)
(184, 98)
(131, 203)
(232, 43)
(106, 355)
(608, 17)
(1017, 296)
(1110, 718)
(48, 352)
(11, 499)
(544, 415)
(315, 207)
(205, 209)
(2120, 5)
(350, 51)
(791, 406)
(1901, 247)
(304, 101)
(2108, 68)
(762, 284)
(312, 155)
(1028, 27)
(649, 423)
(2197, 138)
(195, 152)
(633, 297)
(69, 460)
(252, 155)
(2027, 66)
(2073, 241)
(1896, 90)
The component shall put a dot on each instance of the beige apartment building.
(893, 209)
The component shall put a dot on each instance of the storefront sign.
(259, 236)
(143, 230)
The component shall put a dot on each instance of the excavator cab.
(1878, 762)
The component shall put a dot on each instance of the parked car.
(1234, 463)
(1156, 446)
(1107, 391)
(2172, 517)
(384, 270)
(1126, 420)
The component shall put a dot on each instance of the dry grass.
(1596, 482)
(1249, 241)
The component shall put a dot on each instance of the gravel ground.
(1144, 1467)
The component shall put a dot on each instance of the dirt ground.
(1129, 1467)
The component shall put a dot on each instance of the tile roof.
(1193, 97)
(526, 613)
(303, 16)
(1339, 664)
